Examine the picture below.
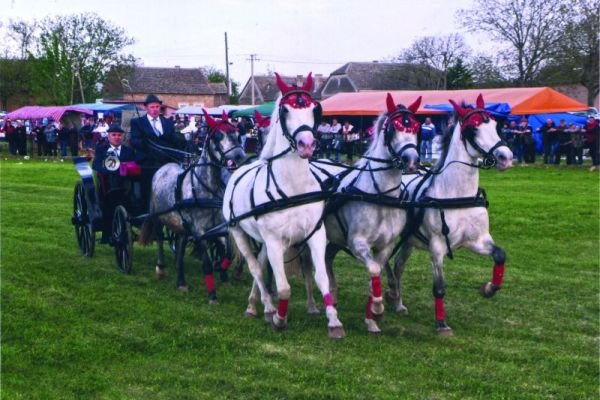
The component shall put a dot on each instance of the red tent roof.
(536, 100)
(40, 112)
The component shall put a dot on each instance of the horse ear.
(415, 106)
(224, 116)
(480, 103)
(460, 110)
(308, 84)
(209, 120)
(389, 102)
(282, 85)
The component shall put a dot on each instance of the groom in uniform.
(151, 136)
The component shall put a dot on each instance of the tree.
(217, 76)
(15, 82)
(24, 34)
(436, 52)
(459, 76)
(487, 72)
(532, 29)
(73, 56)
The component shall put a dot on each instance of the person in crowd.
(21, 136)
(325, 139)
(351, 139)
(51, 136)
(242, 133)
(576, 143)
(427, 135)
(528, 141)
(100, 132)
(548, 131)
(336, 132)
(86, 134)
(152, 137)
(63, 139)
(11, 136)
(40, 138)
(114, 187)
(592, 140)
(73, 139)
(517, 148)
(507, 134)
(564, 143)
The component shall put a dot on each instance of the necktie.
(116, 151)
(155, 127)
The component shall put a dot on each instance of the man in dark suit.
(151, 137)
(114, 188)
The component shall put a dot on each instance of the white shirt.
(157, 124)
(116, 150)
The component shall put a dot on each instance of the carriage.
(88, 219)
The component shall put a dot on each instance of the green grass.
(75, 328)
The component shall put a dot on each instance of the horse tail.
(147, 231)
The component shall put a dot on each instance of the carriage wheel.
(122, 240)
(86, 238)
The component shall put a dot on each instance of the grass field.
(75, 328)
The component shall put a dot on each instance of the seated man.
(151, 138)
(113, 187)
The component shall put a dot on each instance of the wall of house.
(181, 100)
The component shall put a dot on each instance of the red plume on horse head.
(260, 120)
(285, 88)
(391, 107)
(225, 117)
(462, 111)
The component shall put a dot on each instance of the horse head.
(223, 144)
(262, 125)
(299, 115)
(478, 131)
(401, 129)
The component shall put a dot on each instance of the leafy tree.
(217, 76)
(532, 29)
(15, 82)
(438, 53)
(73, 55)
(459, 76)
(487, 72)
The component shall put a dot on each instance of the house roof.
(172, 80)
(523, 101)
(267, 88)
(358, 76)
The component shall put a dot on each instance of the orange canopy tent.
(523, 101)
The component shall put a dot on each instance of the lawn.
(75, 328)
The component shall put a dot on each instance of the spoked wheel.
(86, 238)
(122, 240)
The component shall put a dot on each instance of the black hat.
(115, 128)
(152, 98)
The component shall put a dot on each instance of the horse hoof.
(391, 299)
(445, 332)
(160, 273)
(372, 327)
(213, 302)
(250, 314)
(488, 289)
(269, 316)
(336, 332)
(183, 288)
(278, 324)
(401, 310)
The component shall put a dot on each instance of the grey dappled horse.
(204, 181)
(456, 177)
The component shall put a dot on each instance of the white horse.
(456, 215)
(282, 172)
(367, 221)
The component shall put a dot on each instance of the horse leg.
(179, 255)
(487, 247)
(275, 253)
(375, 307)
(209, 280)
(394, 294)
(254, 292)
(243, 244)
(223, 260)
(159, 269)
(306, 265)
(330, 252)
(437, 249)
(317, 253)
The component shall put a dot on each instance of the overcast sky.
(288, 36)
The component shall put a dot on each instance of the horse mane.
(378, 135)
(268, 149)
(446, 139)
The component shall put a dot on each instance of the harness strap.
(445, 232)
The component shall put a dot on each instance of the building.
(266, 90)
(176, 87)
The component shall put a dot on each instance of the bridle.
(300, 102)
(390, 127)
(216, 134)
(468, 130)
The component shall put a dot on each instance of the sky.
(290, 37)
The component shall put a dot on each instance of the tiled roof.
(171, 80)
(267, 89)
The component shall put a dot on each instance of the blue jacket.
(141, 136)
(427, 132)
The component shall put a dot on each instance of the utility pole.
(252, 83)
(228, 82)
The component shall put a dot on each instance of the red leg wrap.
(376, 286)
(328, 300)
(368, 313)
(209, 281)
(498, 275)
(225, 263)
(282, 308)
(440, 315)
